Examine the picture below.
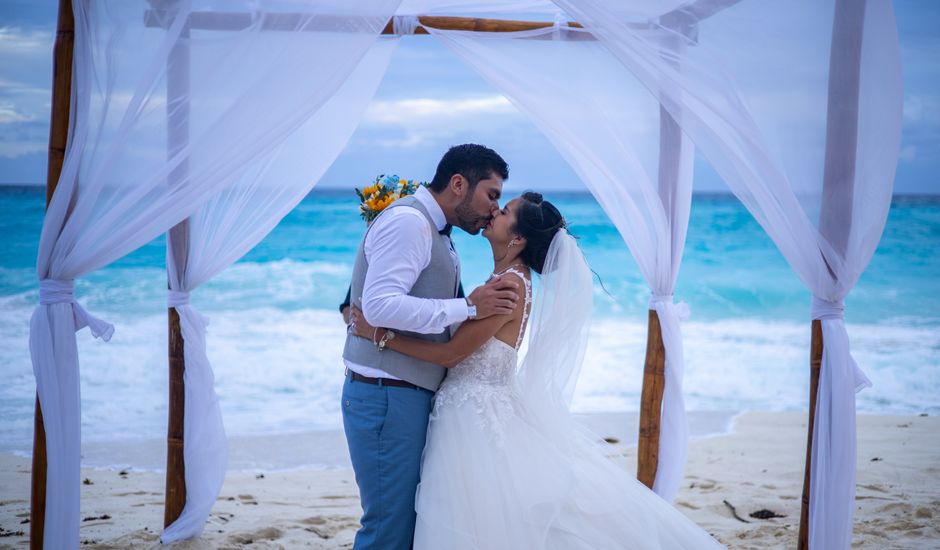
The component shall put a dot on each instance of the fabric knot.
(824, 309)
(447, 230)
(52, 291)
(659, 302)
(404, 24)
(176, 298)
(656, 299)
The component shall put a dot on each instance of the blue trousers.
(386, 428)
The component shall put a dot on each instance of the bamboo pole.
(651, 403)
(836, 209)
(37, 511)
(61, 95)
(475, 24)
(175, 467)
(177, 84)
(815, 364)
(58, 139)
(283, 21)
(234, 21)
(671, 142)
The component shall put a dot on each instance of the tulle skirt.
(494, 477)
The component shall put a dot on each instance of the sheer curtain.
(222, 232)
(630, 154)
(119, 187)
(797, 105)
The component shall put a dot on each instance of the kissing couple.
(455, 445)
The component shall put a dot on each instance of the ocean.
(275, 336)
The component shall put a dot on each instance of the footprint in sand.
(905, 526)
(247, 499)
(328, 527)
(221, 517)
(264, 534)
(923, 513)
(705, 485)
(901, 509)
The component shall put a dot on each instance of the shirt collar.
(424, 196)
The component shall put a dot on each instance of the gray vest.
(438, 280)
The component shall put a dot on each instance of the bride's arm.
(470, 336)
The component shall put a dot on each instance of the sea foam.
(281, 371)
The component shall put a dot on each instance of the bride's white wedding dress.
(498, 474)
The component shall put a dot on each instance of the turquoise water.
(275, 336)
(730, 267)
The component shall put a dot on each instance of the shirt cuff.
(456, 310)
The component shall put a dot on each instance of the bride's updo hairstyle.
(537, 220)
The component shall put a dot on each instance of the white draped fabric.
(222, 232)
(216, 125)
(630, 155)
(119, 187)
(809, 142)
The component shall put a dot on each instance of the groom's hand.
(497, 297)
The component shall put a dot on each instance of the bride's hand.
(358, 324)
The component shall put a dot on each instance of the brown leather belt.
(381, 381)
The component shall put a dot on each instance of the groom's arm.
(398, 249)
(469, 337)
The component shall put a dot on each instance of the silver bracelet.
(386, 338)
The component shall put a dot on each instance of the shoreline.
(326, 448)
(758, 465)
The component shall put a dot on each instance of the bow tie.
(447, 229)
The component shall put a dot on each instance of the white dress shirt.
(398, 249)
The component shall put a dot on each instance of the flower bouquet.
(384, 191)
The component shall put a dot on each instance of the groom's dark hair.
(474, 162)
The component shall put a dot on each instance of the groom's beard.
(467, 218)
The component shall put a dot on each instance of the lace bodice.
(484, 381)
(486, 376)
(492, 364)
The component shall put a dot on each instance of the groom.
(405, 277)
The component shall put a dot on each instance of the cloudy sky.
(430, 100)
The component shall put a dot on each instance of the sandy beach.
(757, 465)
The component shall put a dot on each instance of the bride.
(505, 465)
